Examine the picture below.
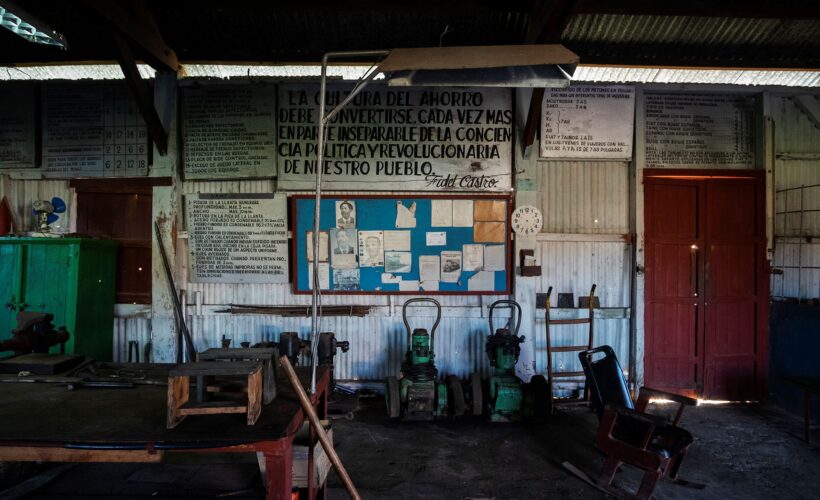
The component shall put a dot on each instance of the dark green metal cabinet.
(72, 278)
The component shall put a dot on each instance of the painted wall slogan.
(17, 141)
(695, 130)
(588, 122)
(228, 131)
(92, 130)
(397, 139)
(237, 238)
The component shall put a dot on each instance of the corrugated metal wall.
(578, 199)
(22, 193)
(377, 341)
(797, 202)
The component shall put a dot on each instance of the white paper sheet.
(429, 268)
(397, 241)
(473, 257)
(481, 281)
(436, 238)
(494, 258)
(405, 216)
(343, 248)
(409, 286)
(429, 286)
(441, 213)
(323, 243)
(389, 278)
(324, 276)
(450, 266)
(463, 213)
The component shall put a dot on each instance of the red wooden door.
(706, 292)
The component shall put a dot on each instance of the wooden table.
(47, 422)
(809, 385)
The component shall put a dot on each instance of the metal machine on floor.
(506, 397)
(417, 394)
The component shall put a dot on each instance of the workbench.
(47, 422)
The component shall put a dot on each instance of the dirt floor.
(740, 451)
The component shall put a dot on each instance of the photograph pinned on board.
(346, 279)
(346, 214)
(344, 248)
(398, 262)
(371, 248)
(450, 266)
(323, 237)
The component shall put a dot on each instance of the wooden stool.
(266, 355)
(179, 384)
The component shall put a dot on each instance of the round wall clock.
(527, 220)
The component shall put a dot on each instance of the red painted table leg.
(278, 470)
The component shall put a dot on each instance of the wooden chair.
(626, 432)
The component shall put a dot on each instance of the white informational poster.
(92, 130)
(588, 122)
(237, 238)
(17, 131)
(387, 138)
(699, 130)
(229, 131)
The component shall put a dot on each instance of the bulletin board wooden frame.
(299, 264)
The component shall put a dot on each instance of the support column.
(166, 211)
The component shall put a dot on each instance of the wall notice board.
(404, 244)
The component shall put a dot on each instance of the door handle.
(693, 266)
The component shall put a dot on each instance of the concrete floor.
(740, 452)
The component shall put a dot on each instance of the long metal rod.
(316, 297)
(320, 431)
(177, 306)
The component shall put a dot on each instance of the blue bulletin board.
(484, 268)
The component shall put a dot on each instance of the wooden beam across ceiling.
(142, 93)
(547, 22)
(748, 9)
(138, 26)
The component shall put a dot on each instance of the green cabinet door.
(10, 256)
(49, 286)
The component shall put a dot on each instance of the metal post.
(324, 119)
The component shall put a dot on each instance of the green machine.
(417, 394)
(508, 399)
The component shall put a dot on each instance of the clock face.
(527, 220)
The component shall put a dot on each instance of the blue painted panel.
(794, 341)
(379, 214)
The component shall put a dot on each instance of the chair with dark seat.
(626, 432)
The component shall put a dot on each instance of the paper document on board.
(429, 268)
(441, 213)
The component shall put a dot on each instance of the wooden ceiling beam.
(138, 26)
(142, 93)
(755, 9)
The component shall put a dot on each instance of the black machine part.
(290, 345)
(509, 341)
(35, 333)
(328, 346)
(435, 325)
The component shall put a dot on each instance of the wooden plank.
(177, 396)
(140, 29)
(571, 348)
(143, 185)
(566, 374)
(209, 368)
(254, 396)
(579, 321)
(48, 454)
(141, 93)
(211, 409)
(241, 353)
